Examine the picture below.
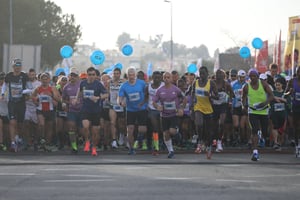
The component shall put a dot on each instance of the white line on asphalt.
(177, 178)
(65, 169)
(272, 175)
(86, 175)
(84, 180)
(235, 180)
(229, 165)
(17, 174)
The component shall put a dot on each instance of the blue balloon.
(58, 71)
(97, 57)
(257, 43)
(66, 51)
(119, 65)
(192, 68)
(107, 70)
(244, 52)
(127, 50)
(149, 69)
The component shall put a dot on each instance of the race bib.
(134, 96)
(279, 107)
(62, 114)
(170, 105)
(297, 96)
(44, 98)
(88, 93)
(200, 92)
(118, 108)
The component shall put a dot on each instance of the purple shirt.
(69, 93)
(170, 100)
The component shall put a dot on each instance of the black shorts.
(139, 117)
(169, 122)
(105, 114)
(48, 115)
(94, 118)
(16, 110)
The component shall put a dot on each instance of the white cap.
(268, 73)
(241, 73)
(74, 70)
(263, 76)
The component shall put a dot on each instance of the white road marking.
(177, 178)
(17, 174)
(272, 175)
(235, 180)
(82, 180)
(86, 175)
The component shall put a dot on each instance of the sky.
(218, 24)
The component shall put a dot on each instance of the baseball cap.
(83, 75)
(253, 71)
(233, 72)
(45, 74)
(17, 62)
(241, 73)
(263, 76)
(74, 70)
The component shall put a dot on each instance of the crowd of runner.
(83, 111)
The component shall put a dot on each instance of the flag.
(292, 46)
(279, 53)
(275, 51)
(262, 58)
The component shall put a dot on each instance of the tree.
(123, 39)
(36, 22)
(57, 29)
(200, 52)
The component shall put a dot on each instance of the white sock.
(169, 145)
(255, 151)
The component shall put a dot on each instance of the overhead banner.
(262, 58)
(291, 51)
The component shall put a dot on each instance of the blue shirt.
(88, 90)
(134, 94)
(237, 88)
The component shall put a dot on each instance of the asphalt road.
(226, 176)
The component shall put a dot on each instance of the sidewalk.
(120, 157)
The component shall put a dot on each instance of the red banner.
(261, 63)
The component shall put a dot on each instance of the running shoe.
(87, 146)
(255, 157)
(136, 144)
(155, 153)
(114, 144)
(131, 152)
(219, 146)
(121, 139)
(171, 154)
(277, 147)
(3, 147)
(194, 139)
(261, 142)
(13, 147)
(214, 143)
(198, 149)
(144, 146)
(94, 151)
(208, 152)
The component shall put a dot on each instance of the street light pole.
(10, 23)
(171, 42)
